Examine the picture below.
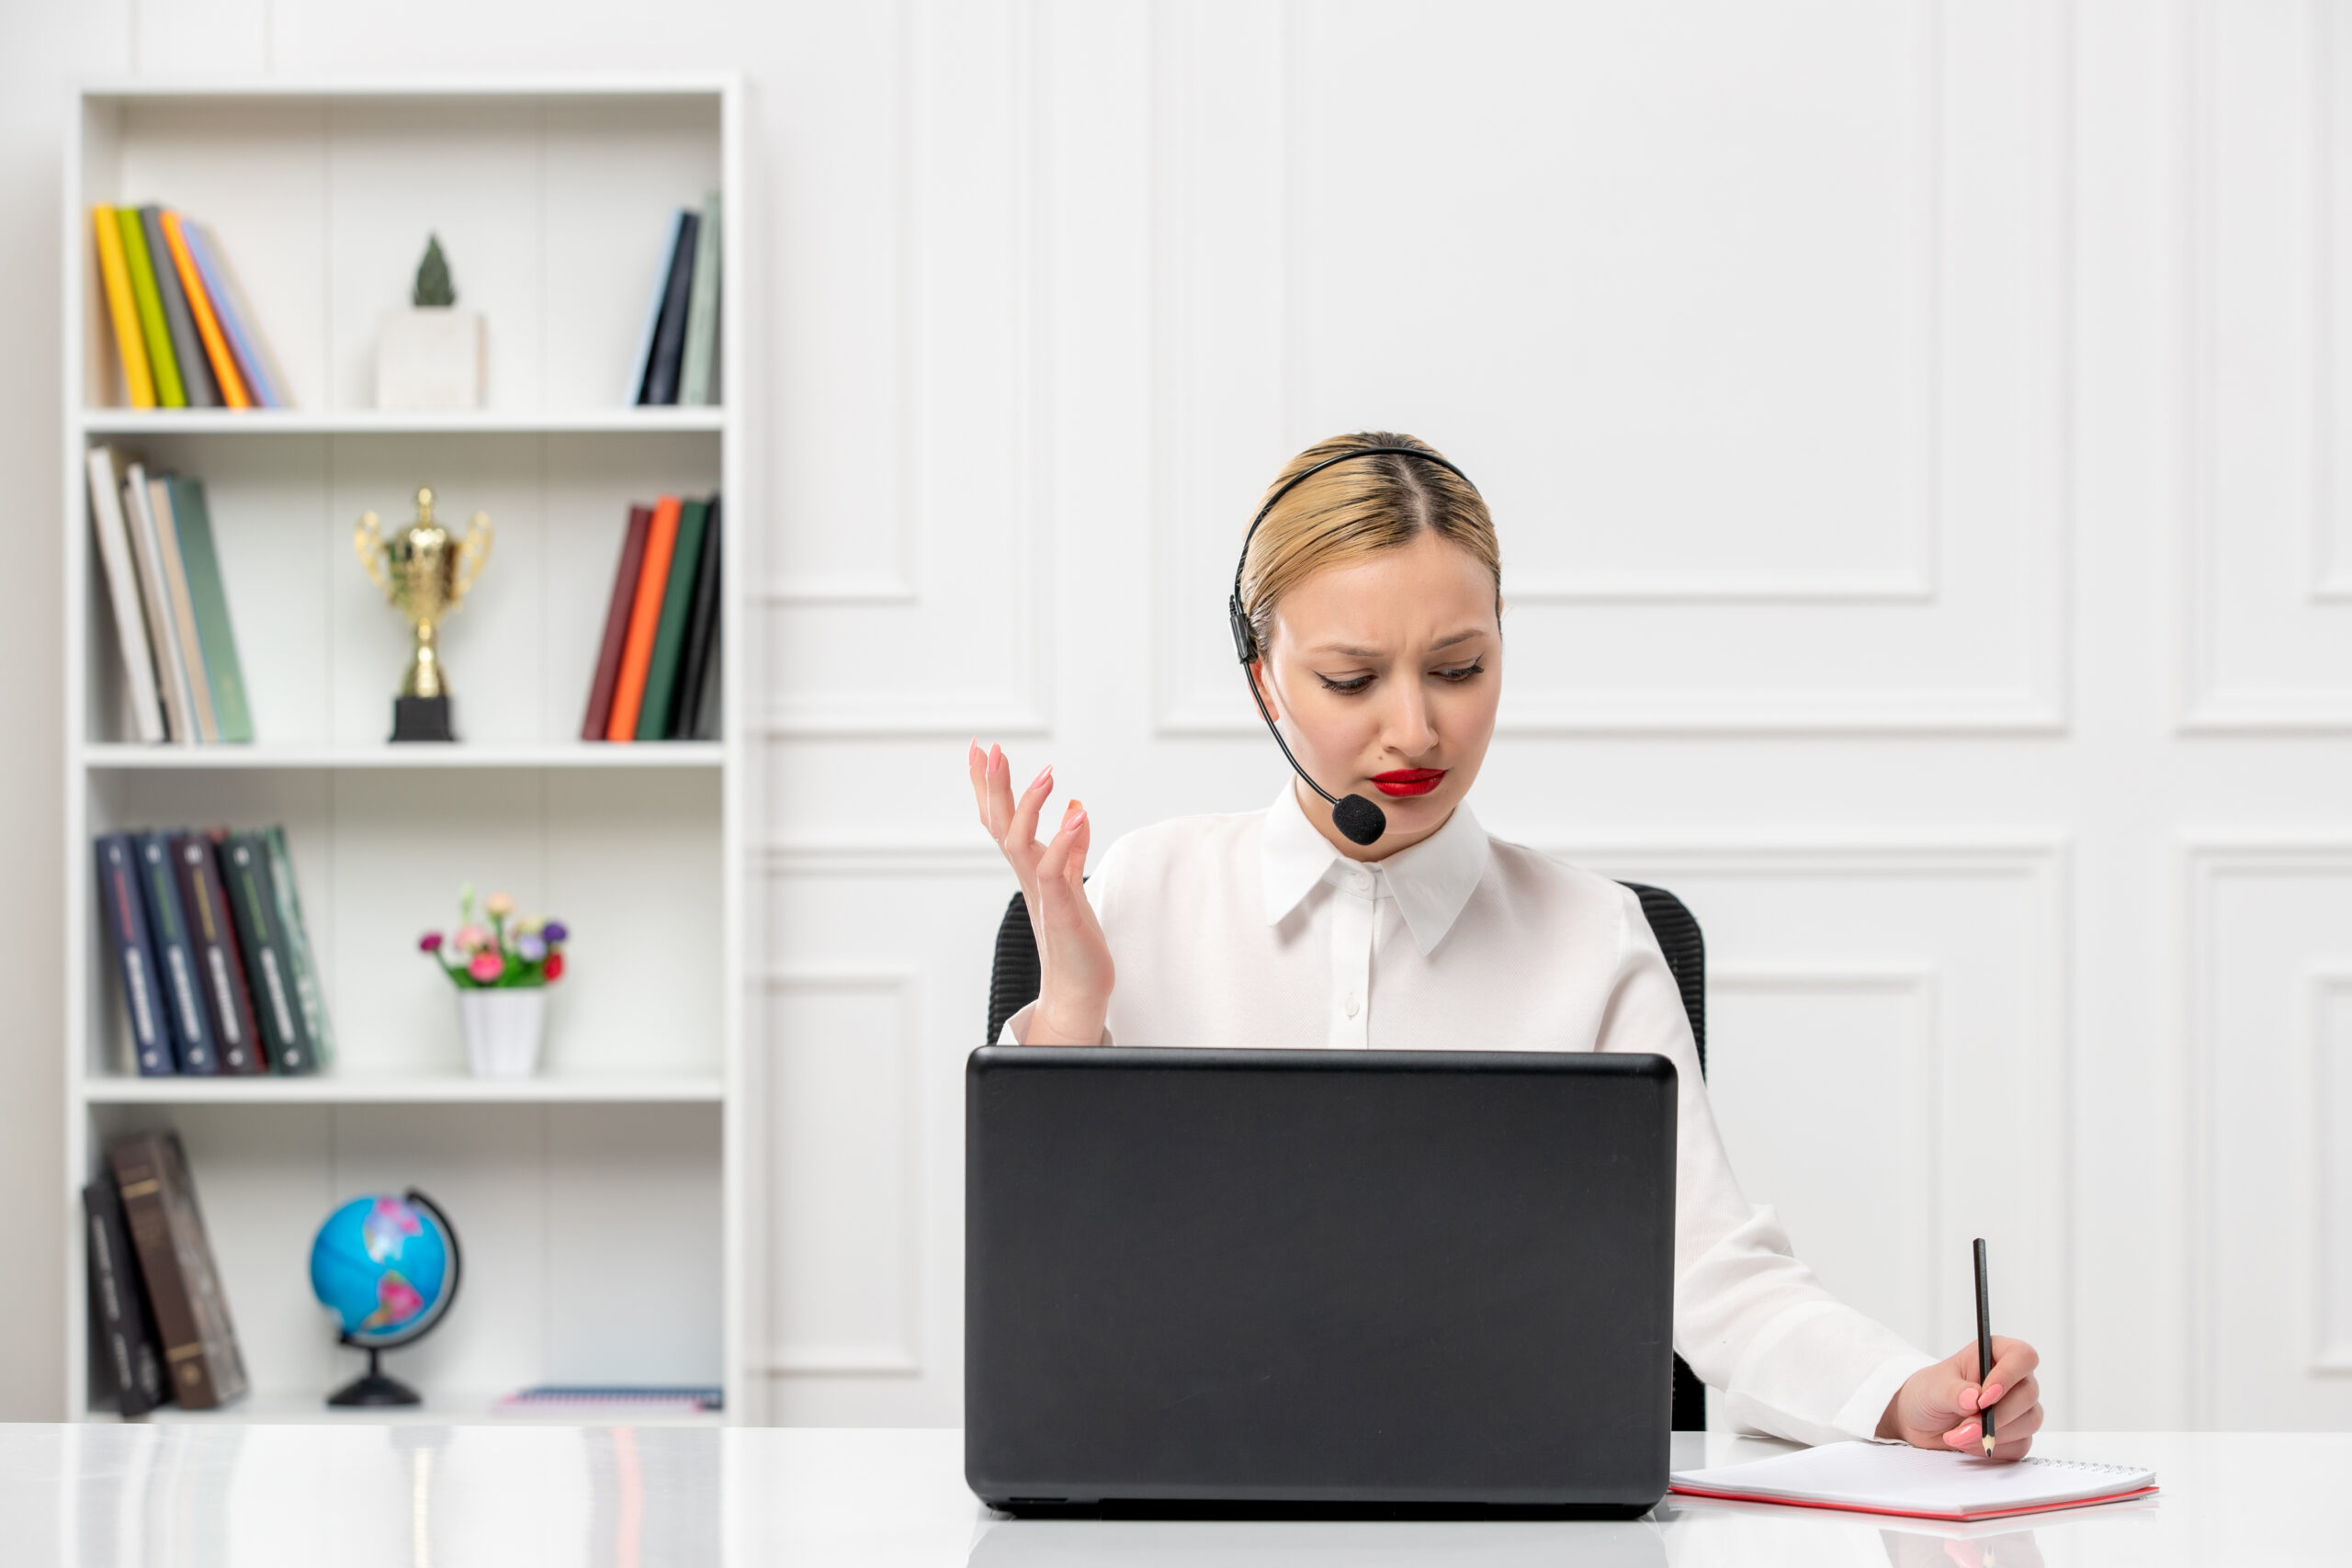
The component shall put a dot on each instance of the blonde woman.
(1372, 593)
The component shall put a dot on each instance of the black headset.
(1358, 818)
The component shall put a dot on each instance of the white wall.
(1911, 425)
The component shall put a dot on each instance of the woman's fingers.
(1063, 856)
(2012, 1404)
(2011, 1438)
(1020, 832)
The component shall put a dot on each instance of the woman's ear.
(1265, 687)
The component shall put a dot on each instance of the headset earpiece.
(1245, 640)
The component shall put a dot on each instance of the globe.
(386, 1269)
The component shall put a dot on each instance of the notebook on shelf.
(1895, 1478)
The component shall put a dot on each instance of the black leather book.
(200, 1356)
(124, 909)
(670, 333)
(213, 940)
(187, 347)
(120, 1326)
(701, 635)
(269, 963)
(184, 1011)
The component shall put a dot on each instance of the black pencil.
(1984, 1341)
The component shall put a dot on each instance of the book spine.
(167, 550)
(224, 1364)
(122, 310)
(670, 635)
(183, 1007)
(226, 1006)
(122, 592)
(702, 627)
(208, 327)
(641, 362)
(695, 383)
(644, 620)
(118, 1305)
(309, 992)
(608, 654)
(224, 673)
(245, 858)
(171, 671)
(262, 377)
(670, 337)
(187, 351)
(137, 1164)
(153, 329)
(126, 916)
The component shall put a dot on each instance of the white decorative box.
(431, 358)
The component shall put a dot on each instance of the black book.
(121, 1328)
(706, 723)
(213, 939)
(270, 963)
(183, 990)
(167, 1235)
(701, 635)
(124, 908)
(670, 333)
(187, 347)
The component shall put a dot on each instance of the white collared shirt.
(1250, 930)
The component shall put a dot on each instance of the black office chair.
(1013, 981)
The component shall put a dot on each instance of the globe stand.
(373, 1388)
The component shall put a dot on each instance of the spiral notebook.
(1920, 1483)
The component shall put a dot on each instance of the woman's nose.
(1406, 727)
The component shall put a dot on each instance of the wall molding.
(2327, 988)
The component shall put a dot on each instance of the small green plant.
(433, 285)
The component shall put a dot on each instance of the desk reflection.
(1316, 1543)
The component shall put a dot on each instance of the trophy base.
(422, 718)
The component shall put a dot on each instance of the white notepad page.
(1898, 1479)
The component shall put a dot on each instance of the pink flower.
(488, 965)
(470, 937)
(429, 942)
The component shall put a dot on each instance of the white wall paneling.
(2266, 973)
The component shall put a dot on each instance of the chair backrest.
(1013, 981)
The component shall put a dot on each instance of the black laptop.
(1326, 1278)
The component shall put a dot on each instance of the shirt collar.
(1430, 882)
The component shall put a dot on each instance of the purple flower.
(429, 942)
(531, 946)
(556, 930)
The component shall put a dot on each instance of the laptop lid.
(1319, 1277)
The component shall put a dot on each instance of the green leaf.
(434, 287)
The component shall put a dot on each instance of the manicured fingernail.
(1991, 1394)
(1073, 814)
(1043, 775)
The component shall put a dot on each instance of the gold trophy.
(424, 573)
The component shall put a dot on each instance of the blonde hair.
(1354, 509)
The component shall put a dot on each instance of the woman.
(1372, 593)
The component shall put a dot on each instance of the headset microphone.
(1354, 815)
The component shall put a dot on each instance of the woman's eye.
(1352, 684)
(1461, 673)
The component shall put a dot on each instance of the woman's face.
(1384, 676)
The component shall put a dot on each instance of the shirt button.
(1364, 882)
(1353, 1006)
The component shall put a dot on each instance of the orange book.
(131, 346)
(644, 620)
(207, 326)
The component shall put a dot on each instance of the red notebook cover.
(645, 618)
(617, 618)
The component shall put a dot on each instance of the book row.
(185, 335)
(157, 1311)
(657, 668)
(213, 953)
(677, 352)
(171, 611)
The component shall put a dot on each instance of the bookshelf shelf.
(110, 422)
(342, 1089)
(607, 1201)
(668, 754)
(468, 1409)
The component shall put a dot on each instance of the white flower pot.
(430, 357)
(503, 1028)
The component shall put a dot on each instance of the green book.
(670, 634)
(152, 328)
(226, 678)
(308, 994)
(698, 382)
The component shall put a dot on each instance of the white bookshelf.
(602, 1206)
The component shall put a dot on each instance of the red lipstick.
(1409, 781)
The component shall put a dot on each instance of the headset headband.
(1245, 638)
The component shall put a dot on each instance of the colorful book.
(153, 331)
(155, 592)
(124, 908)
(309, 991)
(121, 1328)
(245, 862)
(701, 635)
(644, 620)
(122, 308)
(695, 383)
(217, 356)
(670, 334)
(609, 653)
(210, 934)
(670, 634)
(175, 1261)
(262, 377)
(224, 674)
(184, 1012)
(122, 592)
(187, 351)
(167, 550)
(642, 360)
(707, 726)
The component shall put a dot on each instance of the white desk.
(409, 1496)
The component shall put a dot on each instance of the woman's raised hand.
(1073, 960)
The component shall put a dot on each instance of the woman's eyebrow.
(1345, 650)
